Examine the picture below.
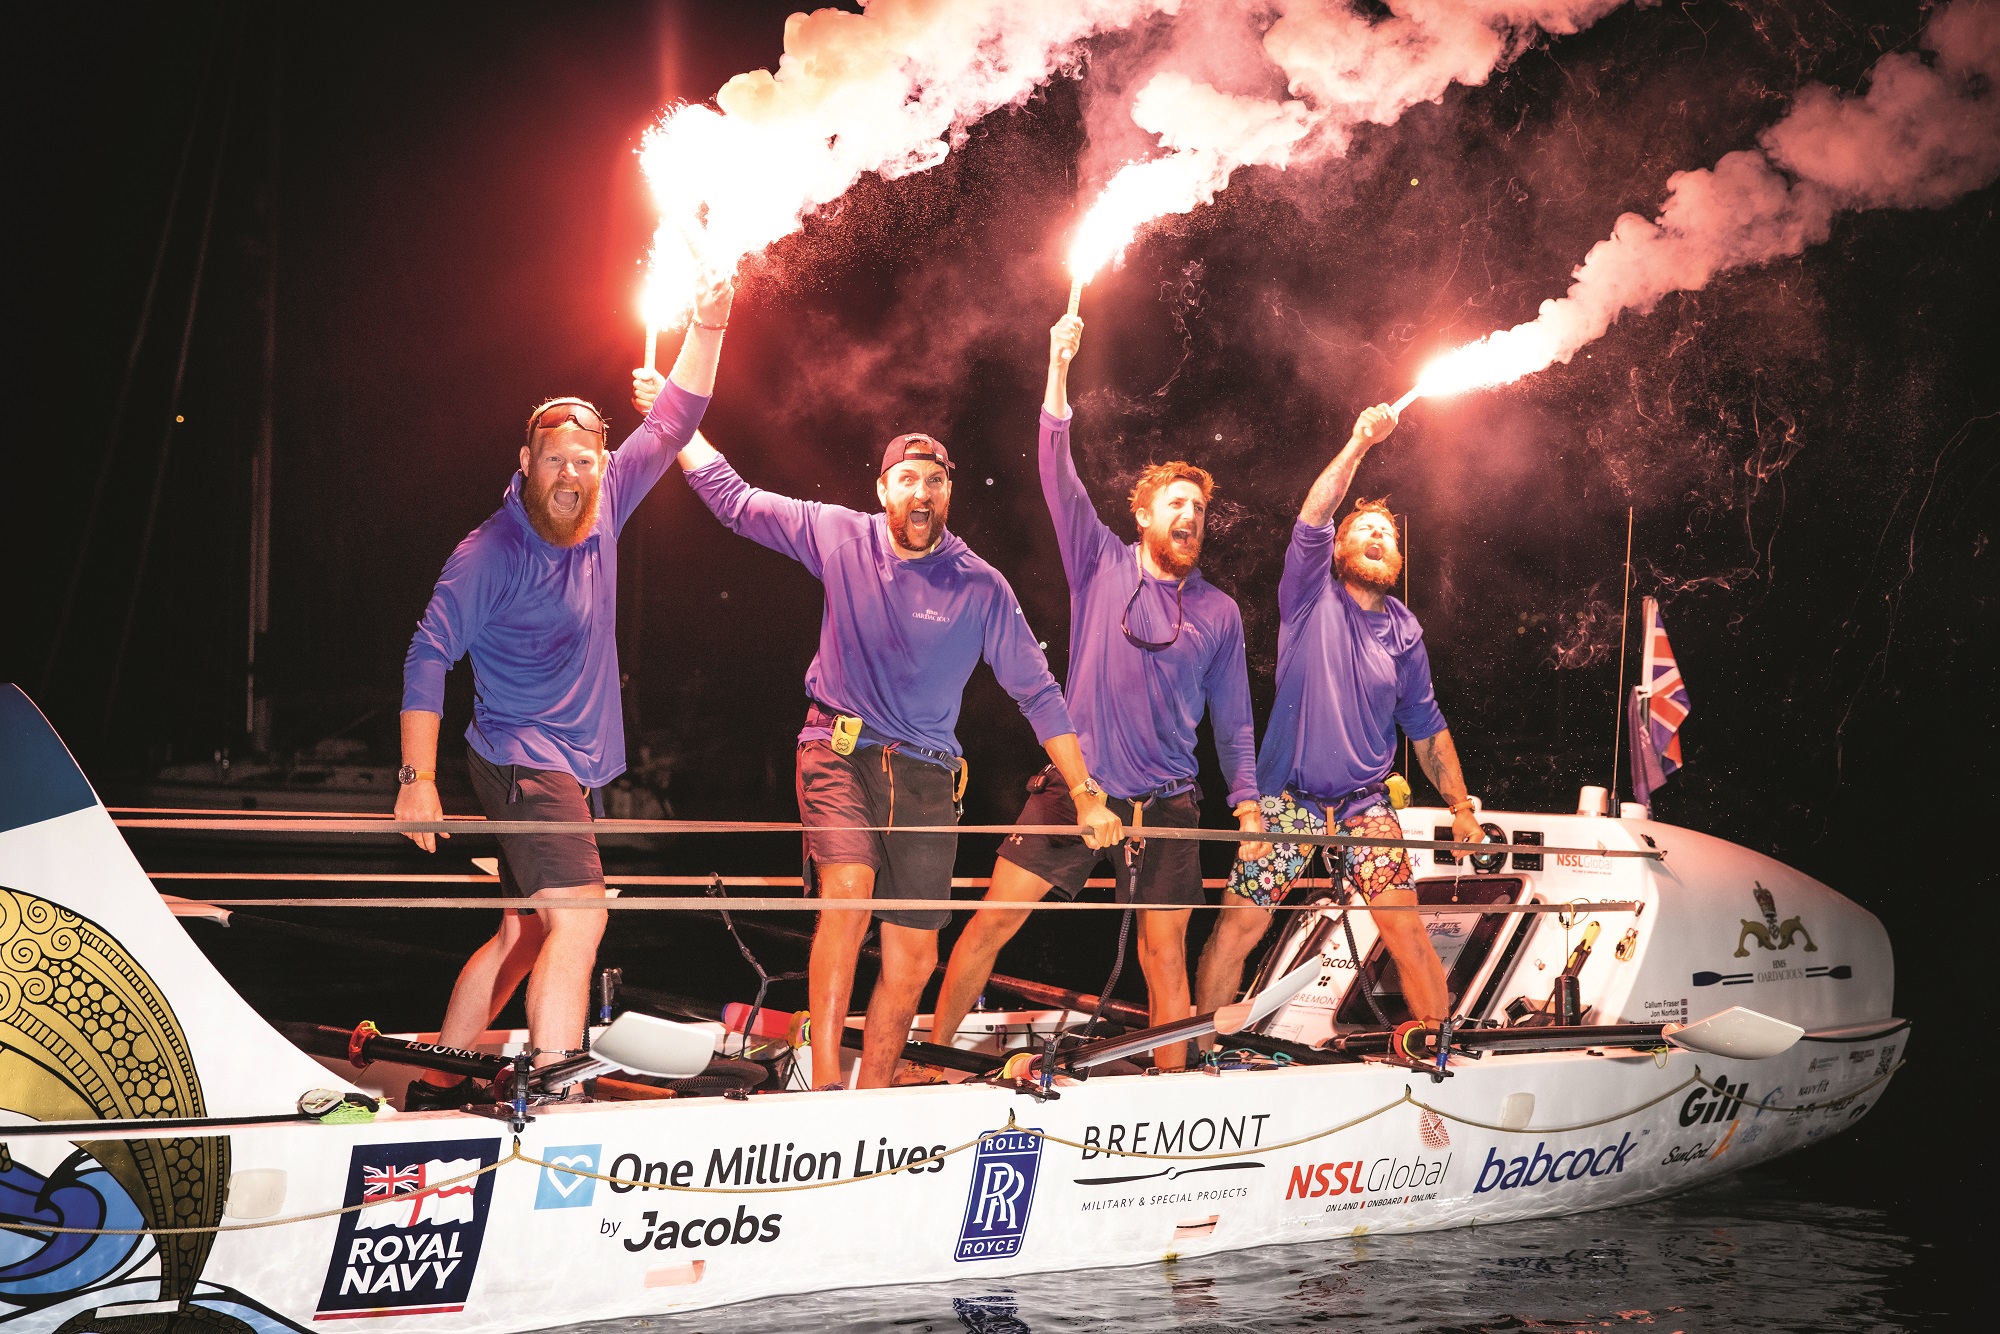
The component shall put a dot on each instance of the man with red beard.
(1351, 669)
(1153, 646)
(532, 595)
(909, 612)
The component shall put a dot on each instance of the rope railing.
(693, 903)
(1011, 1128)
(306, 824)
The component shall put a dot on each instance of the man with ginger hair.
(1153, 646)
(531, 595)
(1352, 669)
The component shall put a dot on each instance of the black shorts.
(1169, 869)
(531, 863)
(874, 786)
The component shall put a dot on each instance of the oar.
(1229, 1019)
(637, 1042)
(1736, 1032)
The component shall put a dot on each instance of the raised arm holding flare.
(1352, 669)
(531, 595)
(910, 611)
(1153, 646)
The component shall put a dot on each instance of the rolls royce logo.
(1004, 1169)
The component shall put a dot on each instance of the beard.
(560, 530)
(1175, 551)
(899, 525)
(1356, 567)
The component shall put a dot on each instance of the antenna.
(1406, 602)
(1618, 702)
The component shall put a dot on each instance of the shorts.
(881, 787)
(1169, 870)
(1267, 880)
(531, 863)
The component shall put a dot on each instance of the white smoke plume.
(1925, 133)
(889, 90)
(1343, 70)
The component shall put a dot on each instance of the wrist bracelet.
(1465, 802)
(700, 323)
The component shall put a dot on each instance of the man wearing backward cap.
(909, 612)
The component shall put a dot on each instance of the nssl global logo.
(1003, 1188)
(413, 1246)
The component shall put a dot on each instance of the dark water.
(1752, 1253)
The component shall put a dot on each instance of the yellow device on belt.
(1399, 791)
(846, 731)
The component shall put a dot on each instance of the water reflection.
(1749, 1253)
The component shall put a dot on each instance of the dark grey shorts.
(531, 863)
(1169, 870)
(875, 787)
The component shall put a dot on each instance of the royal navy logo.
(1004, 1168)
(414, 1245)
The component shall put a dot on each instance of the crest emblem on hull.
(1771, 934)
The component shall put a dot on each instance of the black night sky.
(446, 203)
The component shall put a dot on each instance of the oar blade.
(1268, 1001)
(646, 1045)
(1736, 1031)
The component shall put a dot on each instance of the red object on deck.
(770, 1023)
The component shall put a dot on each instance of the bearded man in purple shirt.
(1153, 646)
(909, 612)
(1352, 669)
(532, 596)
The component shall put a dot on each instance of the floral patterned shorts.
(1267, 880)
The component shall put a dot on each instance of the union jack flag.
(1658, 707)
(382, 1182)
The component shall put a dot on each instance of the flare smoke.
(889, 90)
(1343, 70)
(1926, 132)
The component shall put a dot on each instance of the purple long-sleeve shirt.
(540, 620)
(1136, 709)
(898, 638)
(1347, 679)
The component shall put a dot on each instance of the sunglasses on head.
(576, 414)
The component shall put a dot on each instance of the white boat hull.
(108, 1013)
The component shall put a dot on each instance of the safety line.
(1011, 1128)
(617, 828)
(691, 903)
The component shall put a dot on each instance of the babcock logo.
(413, 1247)
(558, 1189)
(1003, 1189)
(1542, 1168)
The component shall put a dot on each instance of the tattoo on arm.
(1330, 487)
(1439, 758)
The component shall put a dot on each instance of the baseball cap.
(915, 445)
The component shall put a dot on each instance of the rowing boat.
(1737, 1011)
